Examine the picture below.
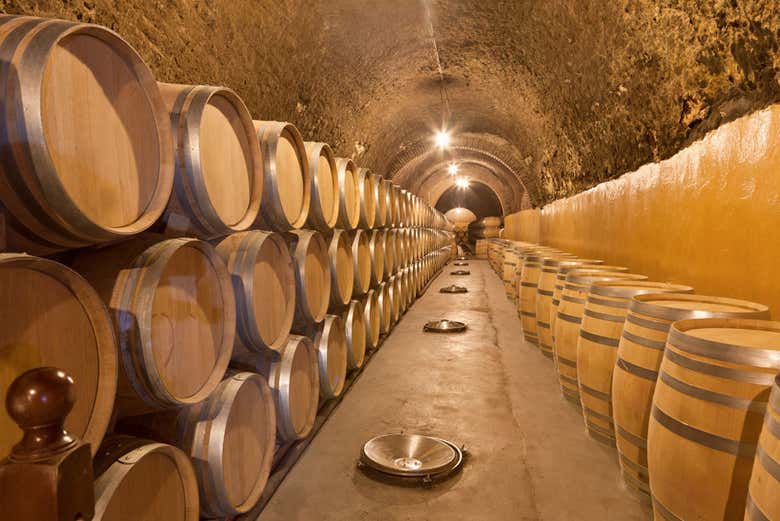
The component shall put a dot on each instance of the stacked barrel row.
(211, 277)
(684, 386)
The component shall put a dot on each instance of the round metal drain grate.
(411, 456)
(444, 326)
(460, 263)
(453, 289)
(460, 272)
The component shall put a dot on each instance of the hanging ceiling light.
(462, 182)
(442, 139)
(453, 168)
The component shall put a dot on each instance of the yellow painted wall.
(523, 226)
(709, 216)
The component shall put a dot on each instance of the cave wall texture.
(545, 97)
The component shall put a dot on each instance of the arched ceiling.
(544, 98)
(479, 198)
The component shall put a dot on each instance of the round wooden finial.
(38, 401)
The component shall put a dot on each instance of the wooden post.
(48, 475)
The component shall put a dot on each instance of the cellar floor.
(530, 458)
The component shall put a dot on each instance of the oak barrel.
(394, 290)
(602, 324)
(312, 278)
(263, 278)
(92, 156)
(51, 316)
(567, 327)
(349, 194)
(388, 239)
(144, 481)
(230, 438)
(380, 201)
(324, 180)
(376, 248)
(361, 261)
(174, 313)
(295, 383)
(559, 278)
(385, 306)
(219, 170)
(639, 356)
(708, 409)
(287, 190)
(764, 487)
(330, 341)
(367, 196)
(392, 201)
(355, 328)
(373, 318)
(342, 269)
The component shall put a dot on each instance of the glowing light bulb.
(462, 182)
(442, 139)
(452, 169)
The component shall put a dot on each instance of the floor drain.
(453, 289)
(460, 263)
(460, 272)
(414, 456)
(444, 326)
(461, 258)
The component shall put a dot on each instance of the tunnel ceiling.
(547, 97)
(480, 199)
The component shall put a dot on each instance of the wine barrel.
(342, 269)
(376, 248)
(144, 481)
(324, 181)
(355, 328)
(380, 201)
(567, 327)
(219, 171)
(392, 198)
(312, 278)
(708, 407)
(527, 287)
(349, 194)
(367, 194)
(639, 356)
(394, 290)
(602, 324)
(361, 261)
(83, 167)
(385, 306)
(389, 248)
(373, 318)
(559, 279)
(175, 316)
(263, 279)
(544, 294)
(287, 190)
(295, 383)
(52, 317)
(764, 486)
(230, 438)
(330, 341)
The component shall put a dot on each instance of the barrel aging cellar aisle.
(386, 261)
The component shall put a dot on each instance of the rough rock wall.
(583, 90)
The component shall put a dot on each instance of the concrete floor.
(530, 458)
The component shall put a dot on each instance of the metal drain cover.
(410, 455)
(460, 272)
(444, 326)
(460, 263)
(453, 289)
